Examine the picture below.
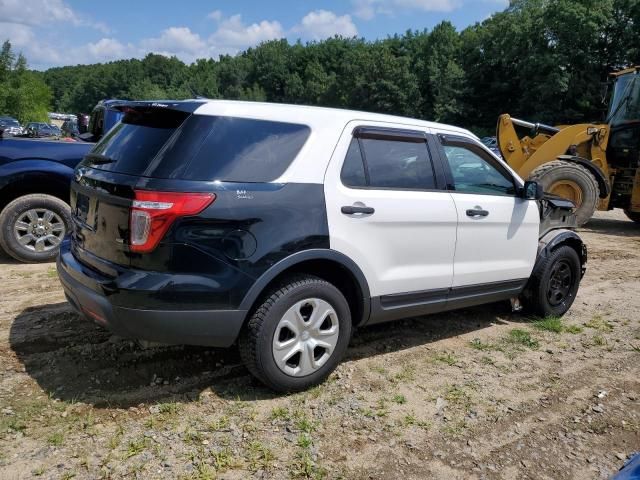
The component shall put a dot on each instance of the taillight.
(153, 213)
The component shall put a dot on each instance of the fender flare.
(553, 239)
(603, 183)
(313, 254)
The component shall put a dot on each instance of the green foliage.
(23, 93)
(542, 60)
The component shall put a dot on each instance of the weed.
(549, 324)
(411, 420)
(223, 459)
(280, 413)
(135, 447)
(169, 408)
(599, 340)
(67, 476)
(574, 329)
(478, 344)
(260, 457)
(52, 272)
(458, 396)
(406, 374)
(455, 428)
(38, 471)
(399, 399)
(56, 439)
(221, 423)
(522, 337)
(599, 323)
(488, 360)
(447, 358)
(303, 423)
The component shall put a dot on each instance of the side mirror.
(532, 191)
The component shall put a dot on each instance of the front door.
(497, 236)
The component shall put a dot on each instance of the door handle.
(477, 212)
(351, 209)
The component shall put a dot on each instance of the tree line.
(543, 60)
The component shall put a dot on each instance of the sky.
(68, 32)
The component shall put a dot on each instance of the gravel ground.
(478, 393)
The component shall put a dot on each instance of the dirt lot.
(479, 393)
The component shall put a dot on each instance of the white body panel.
(407, 245)
(501, 246)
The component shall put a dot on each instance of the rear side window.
(205, 148)
(392, 164)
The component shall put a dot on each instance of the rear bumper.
(217, 328)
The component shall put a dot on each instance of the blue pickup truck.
(35, 175)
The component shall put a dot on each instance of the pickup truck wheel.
(553, 285)
(32, 227)
(298, 335)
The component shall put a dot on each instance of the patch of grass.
(303, 465)
(574, 329)
(219, 423)
(203, 471)
(223, 459)
(457, 395)
(169, 408)
(303, 423)
(599, 323)
(599, 341)
(549, 324)
(518, 336)
(478, 344)
(455, 428)
(446, 358)
(280, 413)
(399, 399)
(380, 370)
(260, 457)
(487, 361)
(68, 475)
(52, 272)
(56, 439)
(135, 447)
(406, 374)
(410, 420)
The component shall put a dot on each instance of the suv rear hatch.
(162, 163)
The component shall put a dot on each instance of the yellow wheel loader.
(594, 165)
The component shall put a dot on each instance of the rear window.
(199, 147)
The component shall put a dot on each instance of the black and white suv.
(285, 227)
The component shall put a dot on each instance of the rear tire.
(568, 180)
(32, 227)
(553, 285)
(304, 314)
(634, 216)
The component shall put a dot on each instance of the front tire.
(554, 283)
(573, 182)
(298, 335)
(32, 227)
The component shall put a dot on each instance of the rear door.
(497, 237)
(388, 210)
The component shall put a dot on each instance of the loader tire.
(573, 182)
(635, 216)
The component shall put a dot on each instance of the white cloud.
(44, 12)
(216, 15)
(321, 24)
(233, 35)
(174, 41)
(367, 9)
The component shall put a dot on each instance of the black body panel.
(208, 261)
(393, 307)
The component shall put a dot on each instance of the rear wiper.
(99, 159)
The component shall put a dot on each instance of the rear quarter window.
(236, 149)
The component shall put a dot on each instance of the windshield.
(625, 101)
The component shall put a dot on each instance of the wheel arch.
(329, 265)
(554, 239)
(34, 179)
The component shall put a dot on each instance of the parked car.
(9, 126)
(492, 144)
(285, 227)
(57, 132)
(70, 128)
(39, 130)
(35, 174)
